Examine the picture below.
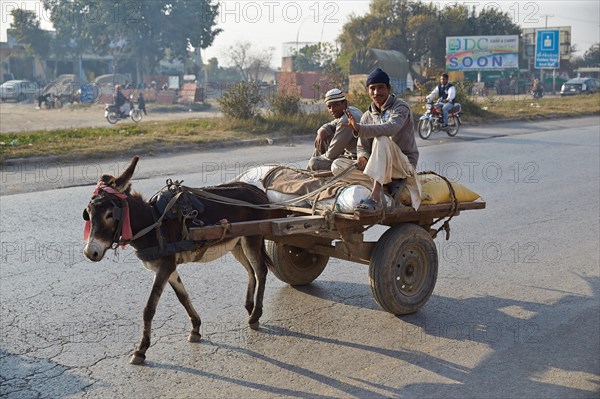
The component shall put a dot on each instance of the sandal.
(368, 207)
(395, 188)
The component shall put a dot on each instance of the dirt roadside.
(24, 117)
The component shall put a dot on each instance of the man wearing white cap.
(334, 139)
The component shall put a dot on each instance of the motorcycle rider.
(120, 101)
(447, 95)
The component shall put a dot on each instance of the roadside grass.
(523, 107)
(160, 109)
(148, 137)
(153, 136)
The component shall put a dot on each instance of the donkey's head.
(107, 214)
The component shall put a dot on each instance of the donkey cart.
(403, 262)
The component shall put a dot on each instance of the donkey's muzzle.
(93, 251)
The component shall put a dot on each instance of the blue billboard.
(547, 49)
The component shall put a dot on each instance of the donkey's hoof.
(194, 337)
(137, 359)
(254, 325)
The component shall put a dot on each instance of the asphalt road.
(514, 313)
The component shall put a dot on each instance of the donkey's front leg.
(160, 280)
(184, 298)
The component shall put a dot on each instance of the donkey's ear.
(107, 180)
(122, 182)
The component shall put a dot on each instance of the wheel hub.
(410, 273)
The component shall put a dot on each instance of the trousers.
(386, 162)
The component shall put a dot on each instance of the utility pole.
(546, 16)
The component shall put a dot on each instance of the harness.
(104, 193)
(173, 201)
(176, 201)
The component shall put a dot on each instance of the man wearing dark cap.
(334, 139)
(387, 150)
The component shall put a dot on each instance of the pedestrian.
(142, 103)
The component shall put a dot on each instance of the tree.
(418, 29)
(249, 64)
(68, 43)
(314, 57)
(591, 58)
(26, 30)
(321, 57)
(144, 31)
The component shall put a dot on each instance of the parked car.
(580, 86)
(18, 90)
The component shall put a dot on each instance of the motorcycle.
(431, 120)
(539, 93)
(113, 114)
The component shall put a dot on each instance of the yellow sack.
(434, 190)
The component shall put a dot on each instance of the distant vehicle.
(580, 86)
(111, 79)
(113, 114)
(431, 120)
(66, 88)
(18, 90)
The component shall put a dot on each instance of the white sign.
(475, 53)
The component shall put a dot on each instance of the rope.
(453, 209)
(158, 222)
(230, 201)
(276, 205)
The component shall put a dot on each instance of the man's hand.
(352, 123)
(361, 163)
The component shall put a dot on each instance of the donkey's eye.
(109, 215)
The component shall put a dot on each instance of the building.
(306, 84)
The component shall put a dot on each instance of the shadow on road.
(28, 377)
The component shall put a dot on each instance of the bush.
(359, 99)
(282, 104)
(241, 101)
(469, 106)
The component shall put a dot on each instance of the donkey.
(116, 216)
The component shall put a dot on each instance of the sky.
(267, 24)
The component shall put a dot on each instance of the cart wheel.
(403, 269)
(293, 265)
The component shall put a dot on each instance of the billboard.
(477, 53)
(547, 49)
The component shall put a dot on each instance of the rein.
(123, 234)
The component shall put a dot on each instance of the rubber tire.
(112, 117)
(425, 128)
(405, 251)
(293, 265)
(453, 127)
(136, 115)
